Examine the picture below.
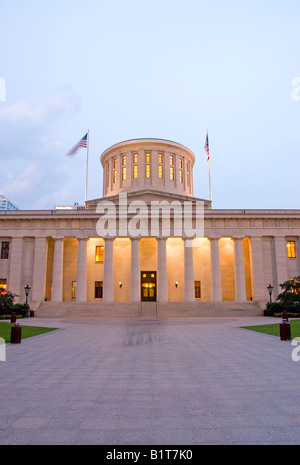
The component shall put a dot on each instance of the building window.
(160, 171)
(148, 171)
(181, 170)
(2, 286)
(188, 174)
(291, 246)
(172, 173)
(172, 167)
(135, 166)
(98, 289)
(181, 176)
(197, 289)
(124, 168)
(160, 166)
(99, 253)
(73, 289)
(4, 250)
(148, 157)
(115, 171)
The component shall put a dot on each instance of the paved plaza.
(150, 382)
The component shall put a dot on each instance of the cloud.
(32, 149)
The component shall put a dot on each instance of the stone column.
(81, 279)
(189, 285)
(108, 276)
(281, 272)
(15, 267)
(239, 270)
(257, 266)
(57, 274)
(39, 269)
(216, 286)
(162, 281)
(135, 274)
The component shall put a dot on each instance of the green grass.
(27, 331)
(274, 330)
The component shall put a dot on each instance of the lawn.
(274, 330)
(27, 331)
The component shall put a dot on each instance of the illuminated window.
(115, 171)
(172, 173)
(148, 157)
(160, 171)
(172, 160)
(291, 246)
(73, 289)
(98, 289)
(4, 250)
(99, 255)
(2, 286)
(135, 166)
(148, 171)
(160, 158)
(180, 163)
(181, 176)
(197, 289)
(188, 174)
(123, 173)
(124, 160)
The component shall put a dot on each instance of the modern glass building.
(6, 204)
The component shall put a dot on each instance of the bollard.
(15, 336)
(13, 318)
(31, 313)
(285, 328)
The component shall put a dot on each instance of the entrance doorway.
(148, 286)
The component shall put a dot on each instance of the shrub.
(7, 306)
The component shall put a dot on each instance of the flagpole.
(87, 164)
(209, 178)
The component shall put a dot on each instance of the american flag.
(207, 147)
(81, 143)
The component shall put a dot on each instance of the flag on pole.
(207, 146)
(81, 143)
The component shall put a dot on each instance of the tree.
(288, 299)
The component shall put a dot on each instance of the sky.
(167, 69)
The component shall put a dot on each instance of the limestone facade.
(62, 257)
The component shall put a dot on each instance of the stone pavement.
(164, 382)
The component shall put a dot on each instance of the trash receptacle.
(16, 333)
(13, 318)
(285, 331)
(31, 313)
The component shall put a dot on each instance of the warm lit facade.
(64, 260)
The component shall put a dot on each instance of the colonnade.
(40, 263)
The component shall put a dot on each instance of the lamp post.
(27, 290)
(270, 290)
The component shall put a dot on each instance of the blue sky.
(151, 68)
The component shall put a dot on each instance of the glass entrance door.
(148, 286)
